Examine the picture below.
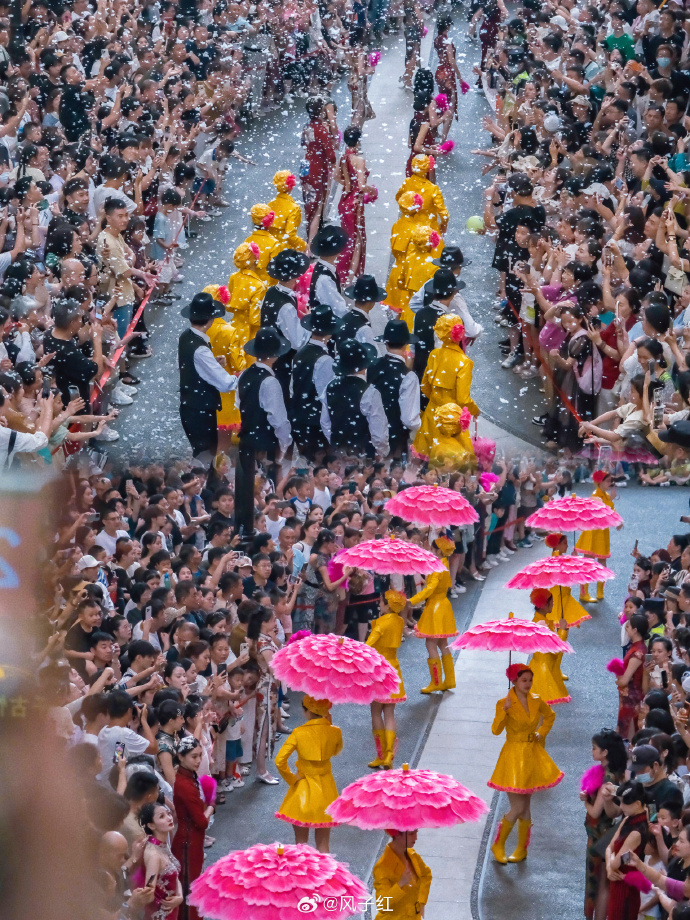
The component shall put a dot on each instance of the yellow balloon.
(475, 224)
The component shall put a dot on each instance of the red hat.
(540, 597)
(515, 670)
(600, 475)
(553, 539)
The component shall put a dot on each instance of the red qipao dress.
(351, 209)
(318, 162)
(188, 844)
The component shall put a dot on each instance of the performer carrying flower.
(385, 637)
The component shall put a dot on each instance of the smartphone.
(303, 471)
(626, 858)
(664, 679)
(352, 487)
(93, 517)
(73, 392)
(45, 392)
(244, 648)
(119, 752)
(619, 183)
(652, 367)
(378, 536)
(150, 881)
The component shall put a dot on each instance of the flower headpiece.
(515, 670)
(553, 539)
(457, 333)
(259, 214)
(540, 597)
(284, 180)
(446, 546)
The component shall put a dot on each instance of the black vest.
(255, 429)
(306, 405)
(349, 425)
(273, 302)
(424, 323)
(350, 325)
(195, 393)
(387, 375)
(320, 269)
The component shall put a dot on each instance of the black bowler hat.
(321, 320)
(365, 289)
(287, 265)
(353, 356)
(444, 283)
(329, 241)
(452, 257)
(397, 334)
(202, 308)
(677, 433)
(268, 343)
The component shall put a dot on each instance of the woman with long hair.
(630, 837)
(161, 868)
(630, 682)
(354, 177)
(303, 563)
(330, 588)
(262, 647)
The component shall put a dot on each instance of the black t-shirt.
(78, 640)
(249, 586)
(506, 246)
(75, 106)
(70, 367)
(662, 793)
(217, 516)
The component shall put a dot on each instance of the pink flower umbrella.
(432, 506)
(511, 635)
(391, 557)
(335, 668)
(406, 800)
(276, 882)
(574, 513)
(563, 571)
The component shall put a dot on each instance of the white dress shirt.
(409, 399)
(288, 321)
(371, 407)
(209, 369)
(272, 402)
(365, 334)
(457, 306)
(323, 369)
(327, 292)
(23, 443)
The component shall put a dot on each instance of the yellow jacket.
(434, 207)
(401, 236)
(312, 787)
(400, 903)
(267, 244)
(447, 378)
(288, 217)
(225, 342)
(386, 637)
(247, 290)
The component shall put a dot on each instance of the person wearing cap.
(677, 434)
(398, 386)
(356, 323)
(597, 543)
(312, 371)
(353, 419)
(265, 431)
(202, 377)
(279, 309)
(647, 767)
(325, 286)
(440, 291)
(262, 217)
(451, 258)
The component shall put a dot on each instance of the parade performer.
(202, 378)
(448, 378)
(317, 166)
(597, 543)
(312, 787)
(451, 258)
(246, 290)
(545, 666)
(386, 636)
(312, 371)
(449, 451)
(262, 219)
(434, 207)
(402, 879)
(356, 323)
(437, 622)
(439, 293)
(324, 286)
(225, 343)
(564, 604)
(287, 214)
(410, 205)
(398, 386)
(354, 176)
(447, 74)
(523, 766)
(417, 268)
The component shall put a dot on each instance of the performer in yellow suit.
(597, 543)
(386, 636)
(410, 205)
(565, 608)
(437, 622)
(262, 219)
(246, 290)
(447, 379)
(545, 666)
(434, 207)
(312, 787)
(417, 268)
(288, 214)
(401, 879)
(226, 343)
(523, 766)
(449, 451)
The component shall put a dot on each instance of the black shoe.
(540, 419)
(504, 343)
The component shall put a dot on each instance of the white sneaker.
(461, 589)
(204, 217)
(453, 593)
(492, 561)
(127, 388)
(119, 398)
(507, 549)
(237, 782)
(178, 278)
(107, 435)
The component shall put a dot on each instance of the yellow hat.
(212, 289)
(410, 203)
(246, 255)
(284, 180)
(421, 164)
(420, 236)
(446, 546)
(449, 328)
(448, 412)
(396, 601)
(259, 213)
(318, 707)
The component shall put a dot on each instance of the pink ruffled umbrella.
(563, 571)
(432, 506)
(391, 557)
(335, 668)
(574, 513)
(406, 800)
(511, 635)
(276, 882)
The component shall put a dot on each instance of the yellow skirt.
(548, 680)
(524, 767)
(306, 802)
(394, 294)
(595, 543)
(229, 416)
(565, 606)
(437, 620)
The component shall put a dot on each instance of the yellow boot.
(600, 590)
(448, 672)
(524, 832)
(380, 749)
(499, 844)
(584, 595)
(390, 746)
(435, 671)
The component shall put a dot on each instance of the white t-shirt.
(108, 543)
(322, 498)
(112, 735)
(274, 527)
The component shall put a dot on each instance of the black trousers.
(201, 429)
(245, 474)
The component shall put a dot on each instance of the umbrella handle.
(510, 661)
